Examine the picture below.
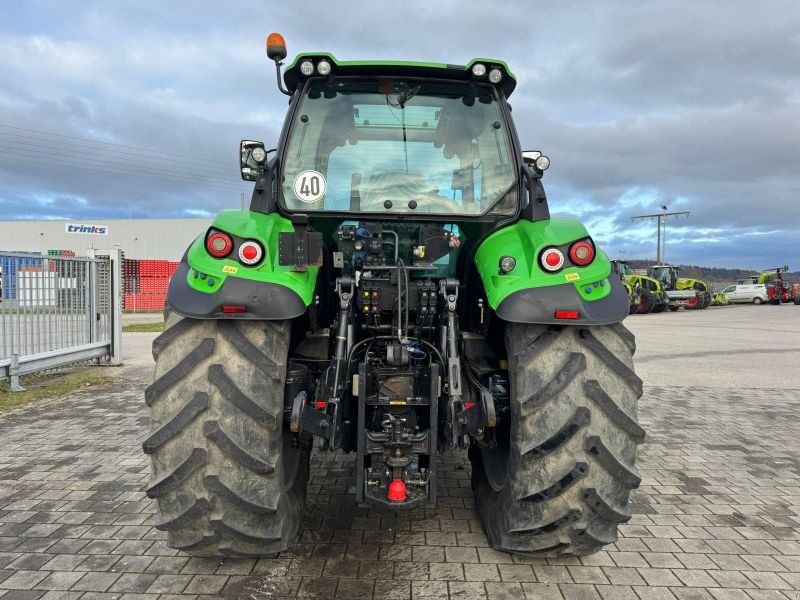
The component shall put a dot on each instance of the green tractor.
(620, 267)
(397, 289)
(681, 291)
(645, 293)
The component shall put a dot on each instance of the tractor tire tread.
(161, 385)
(571, 367)
(225, 477)
(566, 483)
(613, 411)
(174, 426)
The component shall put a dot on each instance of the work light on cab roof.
(324, 64)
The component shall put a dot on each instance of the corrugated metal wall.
(138, 238)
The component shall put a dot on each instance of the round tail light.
(552, 259)
(581, 253)
(250, 253)
(219, 244)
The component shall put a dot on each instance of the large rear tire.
(227, 479)
(560, 483)
(646, 303)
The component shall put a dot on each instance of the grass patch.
(38, 387)
(143, 327)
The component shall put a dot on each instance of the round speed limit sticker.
(309, 186)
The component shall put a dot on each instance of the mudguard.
(529, 294)
(202, 284)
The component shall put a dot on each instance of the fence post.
(92, 291)
(13, 373)
(116, 306)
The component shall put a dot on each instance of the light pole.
(662, 218)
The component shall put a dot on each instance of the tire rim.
(495, 462)
(290, 460)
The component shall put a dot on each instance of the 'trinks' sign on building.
(87, 229)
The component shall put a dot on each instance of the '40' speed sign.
(309, 186)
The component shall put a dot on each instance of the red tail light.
(552, 259)
(219, 244)
(581, 253)
(250, 253)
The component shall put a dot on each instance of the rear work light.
(581, 253)
(250, 253)
(219, 244)
(552, 260)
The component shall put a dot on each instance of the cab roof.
(293, 78)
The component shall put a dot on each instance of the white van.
(747, 292)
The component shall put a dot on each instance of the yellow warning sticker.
(398, 402)
(229, 269)
(572, 276)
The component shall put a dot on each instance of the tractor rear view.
(396, 290)
(681, 291)
(646, 294)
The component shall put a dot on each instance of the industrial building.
(165, 239)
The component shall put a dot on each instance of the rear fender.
(529, 294)
(202, 285)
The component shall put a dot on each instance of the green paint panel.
(524, 240)
(253, 225)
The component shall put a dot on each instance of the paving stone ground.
(717, 516)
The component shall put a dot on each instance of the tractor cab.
(667, 275)
(621, 268)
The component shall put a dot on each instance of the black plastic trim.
(264, 301)
(538, 305)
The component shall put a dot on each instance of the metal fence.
(57, 310)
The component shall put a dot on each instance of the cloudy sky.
(135, 109)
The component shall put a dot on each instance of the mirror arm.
(536, 209)
(278, 65)
(264, 198)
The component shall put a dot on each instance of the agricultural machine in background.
(720, 299)
(396, 290)
(794, 292)
(645, 294)
(620, 267)
(681, 291)
(777, 287)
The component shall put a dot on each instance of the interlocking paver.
(24, 580)
(59, 580)
(543, 591)
(578, 591)
(95, 582)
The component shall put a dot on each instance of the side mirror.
(252, 159)
(529, 157)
